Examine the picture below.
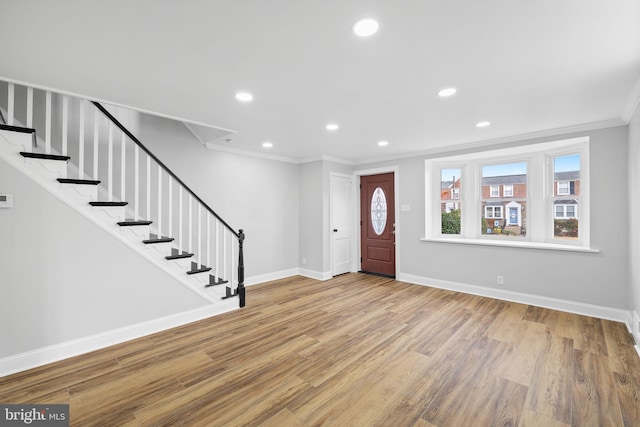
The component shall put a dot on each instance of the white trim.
(492, 144)
(318, 275)
(511, 244)
(115, 104)
(250, 153)
(356, 211)
(268, 277)
(601, 312)
(54, 353)
(633, 103)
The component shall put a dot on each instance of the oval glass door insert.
(378, 211)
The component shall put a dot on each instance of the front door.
(377, 224)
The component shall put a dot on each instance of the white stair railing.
(149, 187)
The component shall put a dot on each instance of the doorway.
(377, 224)
(341, 224)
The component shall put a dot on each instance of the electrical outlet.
(500, 280)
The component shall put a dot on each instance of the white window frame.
(506, 193)
(540, 188)
(564, 211)
(568, 188)
(493, 208)
(494, 191)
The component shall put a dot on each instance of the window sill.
(511, 244)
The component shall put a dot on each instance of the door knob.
(335, 230)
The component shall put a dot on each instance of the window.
(563, 188)
(566, 200)
(450, 203)
(507, 190)
(532, 195)
(493, 211)
(508, 176)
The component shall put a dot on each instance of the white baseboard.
(600, 312)
(635, 328)
(262, 278)
(54, 353)
(318, 275)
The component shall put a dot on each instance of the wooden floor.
(356, 350)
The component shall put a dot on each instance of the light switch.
(6, 201)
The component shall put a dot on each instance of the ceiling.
(526, 67)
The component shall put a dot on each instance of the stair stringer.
(11, 143)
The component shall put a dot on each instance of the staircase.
(81, 153)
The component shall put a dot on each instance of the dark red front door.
(377, 219)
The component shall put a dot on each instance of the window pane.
(450, 203)
(566, 196)
(378, 211)
(504, 199)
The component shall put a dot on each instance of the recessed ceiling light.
(383, 143)
(332, 126)
(483, 124)
(365, 27)
(267, 144)
(244, 97)
(447, 92)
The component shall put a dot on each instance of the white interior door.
(341, 219)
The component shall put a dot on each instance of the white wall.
(257, 195)
(634, 226)
(64, 279)
(599, 279)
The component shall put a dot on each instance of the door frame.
(351, 179)
(396, 205)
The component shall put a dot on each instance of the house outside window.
(450, 202)
(504, 215)
(566, 200)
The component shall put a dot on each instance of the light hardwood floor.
(356, 350)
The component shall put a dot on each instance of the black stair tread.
(179, 256)
(130, 222)
(199, 270)
(78, 181)
(17, 129)
(107, 204)
(44, 156)
(153, 238)
(229, 293)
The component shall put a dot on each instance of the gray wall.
(254, 194)
(312, 208)
(634, 226)
(600, 279)
(64, 278)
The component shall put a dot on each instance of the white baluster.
(148, 188)
(96, 135)
(110, 164)
(170, 206)
(136, 182)
(11, 94)
(29, 107)
(123, 166)
(81, 143)
(159, 201)
(217, 249)
(65, 123)
(224, 251)
(180, 223)
(232, 280)
(199, 234)
(47, 123)
(189, 210)
(208, 239)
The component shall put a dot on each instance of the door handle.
(335, 230)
